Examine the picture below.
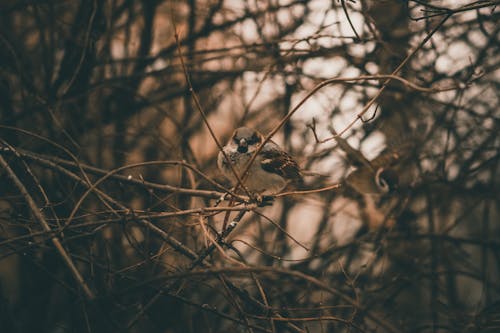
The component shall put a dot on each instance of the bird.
(377, 176)
(270, 172)
(377, 183)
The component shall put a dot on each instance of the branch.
(43, 222)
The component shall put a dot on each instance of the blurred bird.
(377, 176)
(270, 172)
(376, 181)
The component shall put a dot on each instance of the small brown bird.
(376, 176)
(372, 179)
(271, 170)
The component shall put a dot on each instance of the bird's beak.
(243, 146)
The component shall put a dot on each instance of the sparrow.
(377, 176)
(269, 173)
(377, 182)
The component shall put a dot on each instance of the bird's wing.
(280, 163)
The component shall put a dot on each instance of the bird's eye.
(383, 184)
(254, 139)
(386, 179)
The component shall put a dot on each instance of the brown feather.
(282, 164)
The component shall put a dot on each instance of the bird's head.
(246, 139)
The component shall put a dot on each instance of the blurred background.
(108, 176)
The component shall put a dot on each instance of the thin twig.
(41, 219)
(200, 109)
